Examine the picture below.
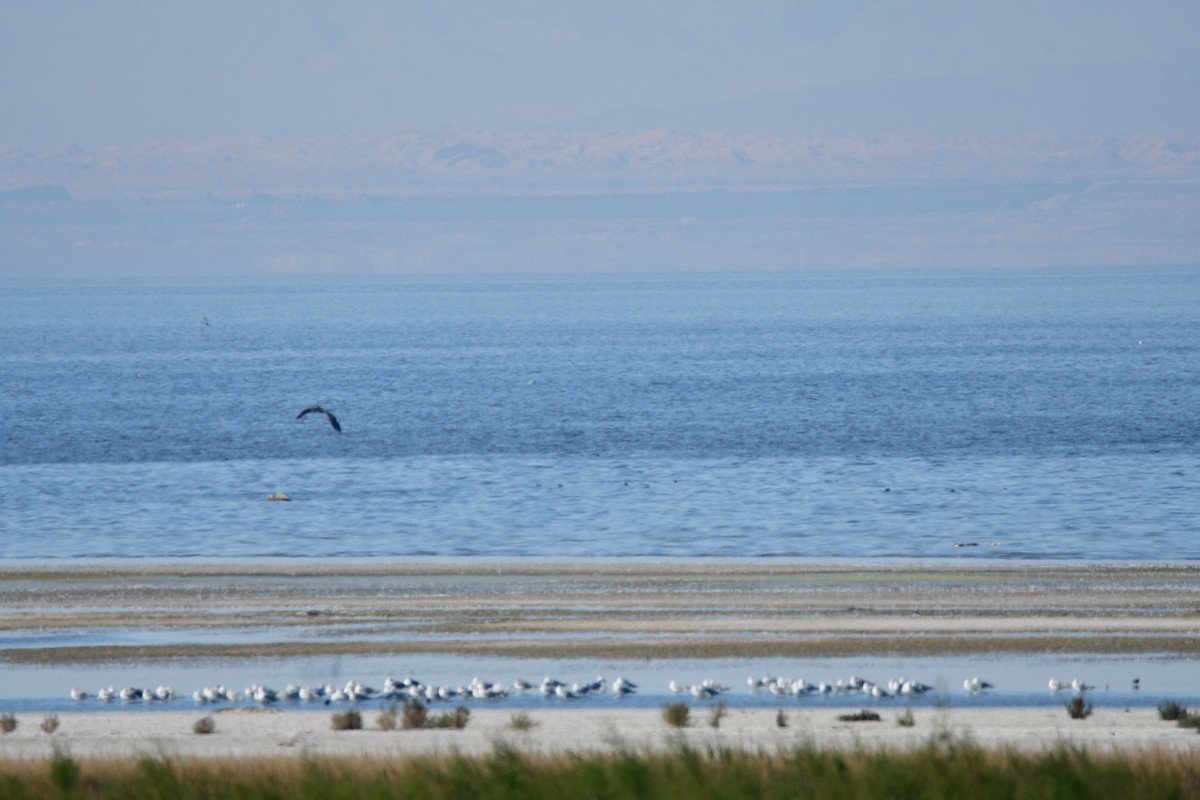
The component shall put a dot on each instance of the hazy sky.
(120, 72)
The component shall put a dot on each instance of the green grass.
(1171, 710)
(456, 719)
(941, 768)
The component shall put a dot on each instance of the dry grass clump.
(677, 715)
(415, 715)
(1173, 711)
(204, 725)
(388, 719)
(456, 719)
(1078, 707)
(8, 723)
(521, 721)
(349, 720)
(50, 723)
(716, 714)
(865, 715)
(1189, 720)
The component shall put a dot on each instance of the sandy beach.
(259, 734)
(682, 610)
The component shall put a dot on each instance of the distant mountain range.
(480, 163)
(1064, 173)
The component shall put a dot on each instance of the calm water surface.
(856, 414)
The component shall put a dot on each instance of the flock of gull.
(904, 687)
(407, 689)
(394, 690)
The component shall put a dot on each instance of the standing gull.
(318, 410)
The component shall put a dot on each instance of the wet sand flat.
(687, 609)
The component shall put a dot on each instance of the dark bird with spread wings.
(318, 410)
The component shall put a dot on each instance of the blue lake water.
(812, 415)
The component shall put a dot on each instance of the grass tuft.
(350, 720)
(1171, 710)
(781, 720)
(866, 715)
(8, 723)
(1078, 707)
(906, 720)
(1189, 720)
(716, 714)
(415, 715)
(521, 721)
(64, 771)
(388, 719)
(204, 725)
(677, 715)
(456, 719)
(50, 723)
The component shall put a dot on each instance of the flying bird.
(318, 410)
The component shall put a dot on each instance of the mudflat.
(636, 609)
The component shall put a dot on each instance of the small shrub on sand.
(50, 723)
(906, 720)
(347, 720)
(414, 716)
(388, 719)
(781, 720)
(1189, 720)
(1171, 710)
(1078, 707)
(677, 715)
(715, 714)
(8, 723)
(521, 722)
(861, 716)
(204, 725)
(456, 719)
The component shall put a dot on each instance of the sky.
(948, 133)
(127, 72)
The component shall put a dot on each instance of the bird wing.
(318, 410)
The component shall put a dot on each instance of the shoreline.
(79, 620)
